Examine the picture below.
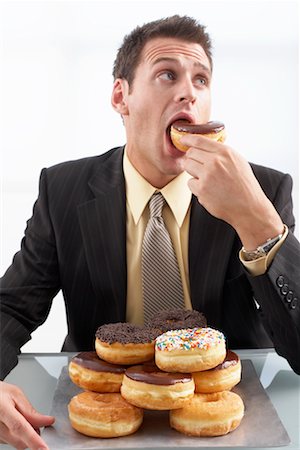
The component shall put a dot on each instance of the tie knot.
(156, 204)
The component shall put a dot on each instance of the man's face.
(171, 82)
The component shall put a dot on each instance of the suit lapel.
(103, 226)
(210, 243)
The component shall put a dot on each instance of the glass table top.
(37, 375)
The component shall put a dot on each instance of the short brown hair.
(181, 27)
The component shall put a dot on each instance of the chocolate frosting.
(91, 361)
(149, 373)
(194, 128)
(125, 333)
(231, 359)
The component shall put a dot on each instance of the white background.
(56, 62)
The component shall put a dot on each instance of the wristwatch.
(261, 250)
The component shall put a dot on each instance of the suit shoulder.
(83, 166)
(263, 171)
(270, 179)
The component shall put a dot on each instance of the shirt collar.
(139, 191)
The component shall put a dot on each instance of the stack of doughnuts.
(101, 411)
(185, 370)
(213, 410)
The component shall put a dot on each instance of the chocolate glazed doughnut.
(148, 387)
(223, 377)
(212, 130)
(89, 372)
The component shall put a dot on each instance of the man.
(85, 235)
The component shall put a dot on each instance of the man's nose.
(185, 92)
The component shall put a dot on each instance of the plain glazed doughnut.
(148, 387)
(176, 319)
(209, 414)
(223, 377)
(103, 415)
(89, 372)
(124, 343)
(190, 350)
(212, 130)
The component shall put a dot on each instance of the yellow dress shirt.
(176, 214)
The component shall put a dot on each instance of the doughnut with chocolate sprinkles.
(125, 343)
(176, 319)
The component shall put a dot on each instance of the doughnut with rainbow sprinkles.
(190, 350)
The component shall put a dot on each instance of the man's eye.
(167, 76)
(202, 80)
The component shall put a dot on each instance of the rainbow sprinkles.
(189, 339)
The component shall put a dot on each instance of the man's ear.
(119, 96)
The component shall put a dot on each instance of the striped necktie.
(161, 280)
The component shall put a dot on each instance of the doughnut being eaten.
(175, 319)
(223, 377)
(148, 387)
(124, 343)
(103, 415)
(90, 372)
(212, 130)
(190, 350)
(209, 414)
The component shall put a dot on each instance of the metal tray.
(260, 427)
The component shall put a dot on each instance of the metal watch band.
(261, 250)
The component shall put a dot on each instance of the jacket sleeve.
(30, 283)
(277, 292)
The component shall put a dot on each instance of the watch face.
(267, 247)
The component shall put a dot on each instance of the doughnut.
(176, 319)
(223, 377)
(212, 130)
(89, 372)
(213, 414)
(103, 415)
(124, 343)
(190, 350)
(148, 387)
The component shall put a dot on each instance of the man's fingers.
(201, 142)
(192, 167)
(19, 422)
(38, 420)
(35, 418)
(194, 187)
(20, 434)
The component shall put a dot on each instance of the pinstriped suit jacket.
(76, 242)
